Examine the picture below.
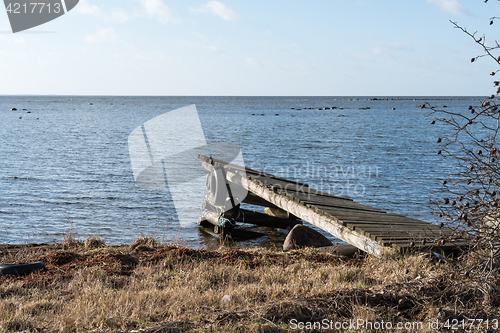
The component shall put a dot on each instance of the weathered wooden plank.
(403, 226)
(371, 217)
(389, 226)
(400, 227)
(447, 247)
(361, 213)
(382, 221)
(367, 219)
(333, 206)
(407, 234)
(334, 203)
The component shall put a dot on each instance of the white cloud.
(85, 7)
(217, 8)
(282, 47)
(155, 9)
(13, 40)
(158, 10)
(200, 36)
(357, 56)
(252, 62)
(450, 6)
(196, 46)
(103, 35)
(116, 15)
(389, 48)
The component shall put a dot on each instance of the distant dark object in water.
(13, 109)
(91, 104)
(341, 115)
(299, 109)
(37, 118)
(333, 107)
(341, 108)
(393, 109)
(445, 106)
(292, 108)
(24, 109)
(253, 114)
(20, 117)
(276, 114)
(28, 112)
(19, 270)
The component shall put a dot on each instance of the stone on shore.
(301, 236)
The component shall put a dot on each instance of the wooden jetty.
(369, 229)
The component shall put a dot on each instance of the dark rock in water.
(13, 109)
(301, 236)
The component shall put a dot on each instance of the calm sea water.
(65, 166)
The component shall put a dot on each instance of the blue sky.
(222, 48)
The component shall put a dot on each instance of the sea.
(65, 165)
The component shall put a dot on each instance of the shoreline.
(146, 286)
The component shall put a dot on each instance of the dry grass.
(153, 288)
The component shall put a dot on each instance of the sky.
(253, 48)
